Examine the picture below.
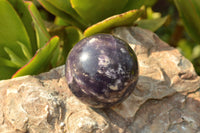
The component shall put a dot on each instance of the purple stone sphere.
(101, 70)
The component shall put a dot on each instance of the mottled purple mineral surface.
(101, 70)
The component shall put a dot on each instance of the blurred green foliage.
(25, 45)
(36, 35)
(189, 11)
(89, 17)
(182, 29)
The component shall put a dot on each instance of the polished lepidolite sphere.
(101, 70)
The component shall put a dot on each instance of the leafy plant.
(83, 14)
(99, 16)
(189, 11)
(87, 17)
(25, 45)
(91, 17)
(152, 21)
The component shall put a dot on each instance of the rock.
(166, 98)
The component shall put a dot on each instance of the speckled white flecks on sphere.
(102, 70)
(165, 100)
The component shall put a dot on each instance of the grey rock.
(166, 99)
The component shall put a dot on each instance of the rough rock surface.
(166, 99)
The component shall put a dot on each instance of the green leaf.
(69, 36)
(150, 2)
(42, 35)
(196, 5)
(69, 19)
(11, 31)
(59, 21)
(15, 58)
(6, 72)
(63, 5)
(56, 57)
(152, 24)
(25, 16)
(25, 51)
(185, 48)
(136, 4)
(93, 11)
(196, 52)
(7, 63)
(40, 60)
(123, 19)
(189, 11)
(73, 36)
